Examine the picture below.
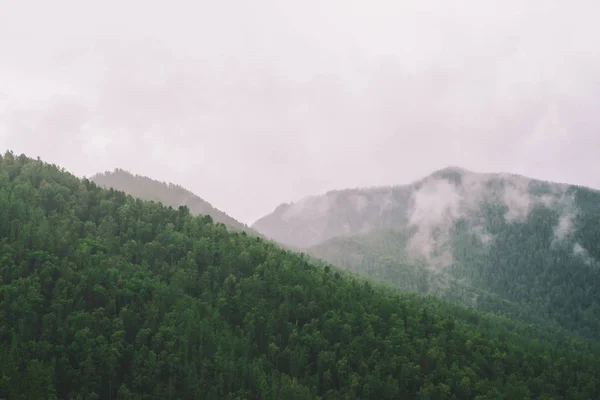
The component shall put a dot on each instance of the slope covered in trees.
(168, 194)
(377, 255)
(106, 296)
(506, 244)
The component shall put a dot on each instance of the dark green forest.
(524, 273)
(105, 296)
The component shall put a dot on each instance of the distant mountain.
(504, 243)
(166, 193)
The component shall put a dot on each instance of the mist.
(437, 203)
(253, 105)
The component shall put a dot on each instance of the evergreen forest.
(107, 296)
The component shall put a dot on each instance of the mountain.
(103, 296)
(503, 243)
(166, 193)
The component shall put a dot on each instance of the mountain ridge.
(501, 238)
(400, 194)
(167, 193)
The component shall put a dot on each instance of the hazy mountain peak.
(432, 205)
(449, 195)
(165, 192)
(451, 172)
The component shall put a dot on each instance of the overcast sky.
(253, 103)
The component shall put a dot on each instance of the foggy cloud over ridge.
(277, 101)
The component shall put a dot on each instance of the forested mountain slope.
(167, 193)
(106, 296)
(502, 243)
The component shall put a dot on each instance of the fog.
(437, 204)
(251, 104)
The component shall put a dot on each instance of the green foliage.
(523, 273)
(106, 296)
(525, 264)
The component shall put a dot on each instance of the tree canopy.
(105, 296)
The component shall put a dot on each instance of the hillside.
(378, 256)
(502, 243)
(106, 296)
(166, 193)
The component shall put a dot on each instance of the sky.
(251, 104)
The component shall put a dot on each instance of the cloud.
(437, 203)
(271, 101)
(51, 132)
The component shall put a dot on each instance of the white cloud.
(279, 100)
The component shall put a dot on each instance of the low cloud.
(437, 203)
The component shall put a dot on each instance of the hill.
(502, 243)
(106, 296)
(168, 194)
